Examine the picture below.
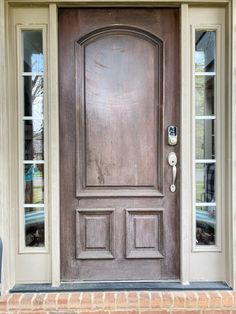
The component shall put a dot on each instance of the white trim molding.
(208, 262)
(231, 134)
(5, 222)
(219, 142)
(185, 179)
(21, 139)
(54, 166)
(24, 264)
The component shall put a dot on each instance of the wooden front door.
(119, 92)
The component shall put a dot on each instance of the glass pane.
(205, 183)
(33, 96)
(33, 51)
(204, 95)
(33, 130)
(205, 139)
(34, 227)
(34, 184)
(205, 42)
(205, 225)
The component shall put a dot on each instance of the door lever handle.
(172, 160)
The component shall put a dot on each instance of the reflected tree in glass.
(33, 96)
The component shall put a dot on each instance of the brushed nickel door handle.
(172, 160)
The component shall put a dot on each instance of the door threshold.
(120, 286)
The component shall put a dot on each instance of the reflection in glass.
(205, 225)
(205, 42)
(205, 183)
(33, 96)
(34, 183)
(33, 51)
(33, 131)
(204, 95)
(34, 227)
(205, 139)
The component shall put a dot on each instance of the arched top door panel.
(119, 79)
(120, 30)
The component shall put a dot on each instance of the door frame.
(8, 200)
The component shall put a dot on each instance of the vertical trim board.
(54, 167)
(185, 195)
(4, 157)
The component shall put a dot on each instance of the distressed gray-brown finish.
(144, 233)
(119, 77)
(119, 91)
(94, 233)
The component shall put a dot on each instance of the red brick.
(234, 297)
(215, 300)
(203, 300)
(179, 300)
(154, 312)
(109, 300)
(3, 303)
(167, 299)
(14, 301)
(191, 300)
(74, 300)
(144, 300)
(133, 300)
(63, 300)
(217, 311)
(156, 300)
(186, 311)
(121, 300)
(93, 312)
(32, 312)
(124, 312)
(62, 311)
(38, 301)
(227, 299)
(50, 301)
(86, 300)
(98, 300)
(26, 301)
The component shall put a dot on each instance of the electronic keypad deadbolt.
(172, 135)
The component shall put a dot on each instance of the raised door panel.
(119, 108)
(144, 233)
(94, 233)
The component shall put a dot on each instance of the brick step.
(142, 302)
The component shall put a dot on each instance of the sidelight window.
(33, 213)
(205, 149)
